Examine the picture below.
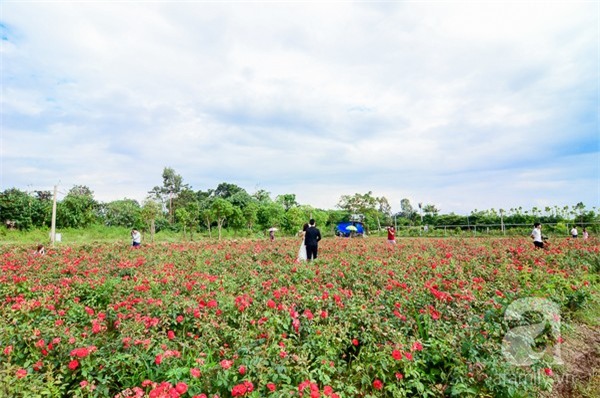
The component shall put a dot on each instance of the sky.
(461, 104)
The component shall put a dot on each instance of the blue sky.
(464, 105)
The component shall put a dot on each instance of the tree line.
(176, 206)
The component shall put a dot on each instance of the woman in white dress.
(302, 251)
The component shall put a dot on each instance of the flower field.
(424, 318)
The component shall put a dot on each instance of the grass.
(103, 234)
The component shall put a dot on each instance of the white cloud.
(419, 100)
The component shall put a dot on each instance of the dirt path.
(581, 355)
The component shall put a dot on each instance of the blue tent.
(345, 228)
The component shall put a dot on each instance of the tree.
(407, 210)
(187, 220)
(271, 214)
(226, 190)
(41, 207)
(172, 186)
(151, 210)
(250, 214)
(123, 213)
(185, 198)
(15, 208)
(78, 209)
(371, 207)
(287, 200)
(296, 217)
(206, 214)
(221, 209)
(262, 196)
(430, 210)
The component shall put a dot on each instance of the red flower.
(271, 387)
(242, 370)
(38, 365)
(548, 371)
(195, 372)
(417, 346)
(181, 387)
(397, 355)
(226, 363)
(355, 342)
(170, 335)
(74, 364)
(21, 373)
(377, 384)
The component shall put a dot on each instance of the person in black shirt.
(311, 240)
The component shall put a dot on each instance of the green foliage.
(23, 211)
(271, 214)
(78, 209)
(123, 213)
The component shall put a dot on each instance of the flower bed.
(243, 318)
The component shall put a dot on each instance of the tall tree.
(221, 210)
(250, 213)
(407, 210)
(172, 186)
(287, 200)
(151, 210)
(226, 190)
(262, 196)
(368, 206)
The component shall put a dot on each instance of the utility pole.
(53, 228)
(421, 214)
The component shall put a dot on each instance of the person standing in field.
(391, 232)
(302, 256)
(574, 232)
(536, 234)
(136, 238)
(311, 240)
(585, 234)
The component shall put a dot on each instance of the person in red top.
(391, 234)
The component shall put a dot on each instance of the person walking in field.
(536, 234)
(311, 240)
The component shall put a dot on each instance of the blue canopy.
(342, 228)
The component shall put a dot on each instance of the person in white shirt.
(574, 232)
(136, 238)
(536, 234)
